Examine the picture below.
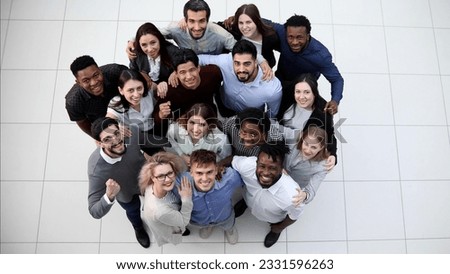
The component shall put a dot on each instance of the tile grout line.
(395, 128)
(50, 129)
(439, 70)
(6, 35)
(342, 150)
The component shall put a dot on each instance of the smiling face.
(303, 95)
(250, 134)
(297, 38)
(91, 80)
(132, 91)
(197, 127)
(204, 176)
(188, 75)
(150, 45)
(247, 27)
(111, 141)
(245, 67)
(196, 23)
(163, 178)
(267, 170)
(311, 146)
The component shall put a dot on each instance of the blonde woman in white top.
(163, 213)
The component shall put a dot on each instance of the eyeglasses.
(163, 177)
(109, 139)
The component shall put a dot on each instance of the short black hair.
(298, 21)
(81, 63)
(197, 5)
(276, 150)
(254, 116)
(100, 125)
(244, 46)
(183, 56)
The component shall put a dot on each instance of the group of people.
(188, 126)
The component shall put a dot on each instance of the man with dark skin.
(269, 194)
(94, 87)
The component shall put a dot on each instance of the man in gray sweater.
(113, 171)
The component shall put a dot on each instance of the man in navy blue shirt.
(301, 53)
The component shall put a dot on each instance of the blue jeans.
(133, 210)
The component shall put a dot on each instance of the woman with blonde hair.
(164, 214)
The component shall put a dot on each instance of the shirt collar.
(108, 159)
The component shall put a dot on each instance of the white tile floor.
(390, 192)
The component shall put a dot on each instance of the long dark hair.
(149, 28)
(252, 11)
(311, 80)
(124, 77)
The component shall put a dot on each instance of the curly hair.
(160, 158)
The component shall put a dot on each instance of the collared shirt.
(155, 67)
(143, 119)
(215, 40)
(82, 105)
(271, 204)
(315, 58)
(229, 127)
(108, 159)
(214, 206)
(238, 95)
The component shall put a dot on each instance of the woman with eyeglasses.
(163, 213)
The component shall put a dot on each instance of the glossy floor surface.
(390, 192)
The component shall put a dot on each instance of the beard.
(243, 76)
(114, 151)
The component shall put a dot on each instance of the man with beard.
(94, 87)
(201, 36)
(302, 53)
(243, 84)
(113, 171)
(269, 192)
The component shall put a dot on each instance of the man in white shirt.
(269, 192)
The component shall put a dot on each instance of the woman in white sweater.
(164, 214)
(197, 129)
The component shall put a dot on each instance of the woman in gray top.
(306, 162)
